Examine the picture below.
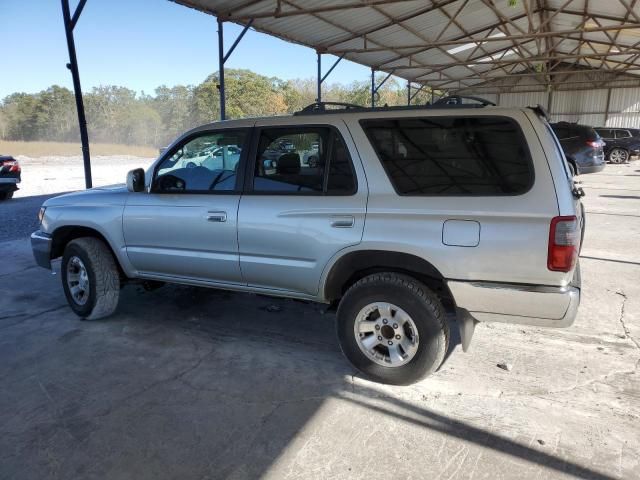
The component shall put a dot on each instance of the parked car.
(620, 146)
(582, 146)
(635, 132)
(10, 176)
(411, 216)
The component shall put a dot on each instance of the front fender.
(106, 220)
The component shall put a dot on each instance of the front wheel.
(90, 278)
(392, 328)
(618, 155)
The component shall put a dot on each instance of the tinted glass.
(623, 134)
(341, 179)
(452, 156)
(309, 160)
(205, 163)
(605, 132)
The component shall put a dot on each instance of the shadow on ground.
(189, 383)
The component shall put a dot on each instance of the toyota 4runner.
(409, 216)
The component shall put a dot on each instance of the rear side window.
(472, 156)
(623, 134)
(303, 161)
(605, 133)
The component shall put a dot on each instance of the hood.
(99, 196)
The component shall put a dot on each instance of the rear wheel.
(6, 195)
(90, 278)
(392, 328)
(618, 155)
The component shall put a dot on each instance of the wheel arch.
(355, 265)
(61, 237)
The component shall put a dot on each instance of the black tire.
(6, 195)
(421, 305)
(103, 275)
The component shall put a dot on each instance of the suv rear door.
(301, 206)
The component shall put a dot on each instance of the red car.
(9, 176)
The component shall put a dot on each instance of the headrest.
(288, 163)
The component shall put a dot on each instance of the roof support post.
(222, 59)
(608, 106)
(416, 93)
(408, 92)
(322, 78)
(319, 82)
(69, 24)
(374, 87)
(221, 67)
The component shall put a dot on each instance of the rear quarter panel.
(514, 230)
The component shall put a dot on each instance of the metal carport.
(468, 46)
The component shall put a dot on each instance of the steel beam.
(221, 68)
(279, 13)
(222, 59)
(321, 78)
(69, 24)
(374, 87)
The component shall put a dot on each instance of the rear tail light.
(11, 165)
(596, 144)
(564, 243)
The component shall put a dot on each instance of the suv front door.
(185, 226)
(301, 205)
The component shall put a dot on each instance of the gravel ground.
(46, 177)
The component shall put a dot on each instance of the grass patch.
(43, 149)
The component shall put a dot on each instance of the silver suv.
(404, 218)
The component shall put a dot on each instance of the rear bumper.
(41, 247)
(9, 184)
(541, 306)
(591, 168)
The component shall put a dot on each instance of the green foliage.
(120, 115)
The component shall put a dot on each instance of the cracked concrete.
(191, 383)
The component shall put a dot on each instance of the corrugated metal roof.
(453, 44)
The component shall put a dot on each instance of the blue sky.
(139, 44)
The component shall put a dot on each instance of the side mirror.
(135, 180)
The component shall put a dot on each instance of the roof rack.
(541, 112)
(321, 107)
(451, 101)
(456, 100)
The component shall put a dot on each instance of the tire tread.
(107, 276)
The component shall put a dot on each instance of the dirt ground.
(192, 383)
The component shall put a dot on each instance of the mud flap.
(467, 325)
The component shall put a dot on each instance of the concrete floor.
(192, 383)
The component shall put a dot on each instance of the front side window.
(206, 163)
(303, 160)
(452, 155)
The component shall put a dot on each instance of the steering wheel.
(191, 165)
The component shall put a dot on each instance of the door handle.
(217, 216)
(343, 221)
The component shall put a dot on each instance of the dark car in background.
(621, 144)
(10, 176)
(582, 146)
